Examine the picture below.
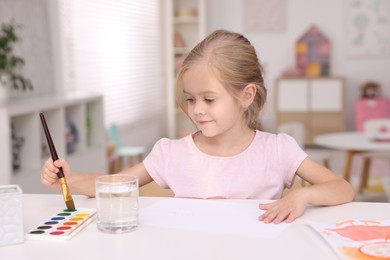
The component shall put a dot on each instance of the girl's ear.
(248, 95)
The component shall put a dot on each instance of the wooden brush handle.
(52, 148)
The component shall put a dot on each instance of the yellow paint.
(76, 219)
(82, 215)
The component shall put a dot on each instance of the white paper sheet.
(356, 239)
(237, 218)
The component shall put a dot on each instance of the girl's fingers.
(65, 166)
(276, 213)
(266, 206)
(290, 218)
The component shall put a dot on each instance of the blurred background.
(123, 56)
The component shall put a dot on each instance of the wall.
(276, 50)
(35, 44)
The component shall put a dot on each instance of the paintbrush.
(64, 186)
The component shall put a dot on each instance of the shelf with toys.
(186, 22)
(77, 128)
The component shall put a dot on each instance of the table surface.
(357, 141)
(297, 241)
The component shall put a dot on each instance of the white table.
(296, 242)
(353, 143)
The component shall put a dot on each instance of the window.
(113, 47)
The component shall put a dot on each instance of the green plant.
(10, 64)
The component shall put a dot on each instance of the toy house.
(313, 53)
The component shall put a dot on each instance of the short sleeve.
(157, 160)
(291, 156)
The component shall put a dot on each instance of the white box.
(11, 215)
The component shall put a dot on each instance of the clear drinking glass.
(117, 203)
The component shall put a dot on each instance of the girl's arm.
(327, 189)
(84, 183)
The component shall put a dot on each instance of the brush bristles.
(70, 205)
(67, 195)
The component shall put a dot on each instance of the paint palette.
(64, 225)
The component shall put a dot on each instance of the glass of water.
(117, 203)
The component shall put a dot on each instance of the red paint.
(57, 233)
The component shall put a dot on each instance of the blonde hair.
(233, 61)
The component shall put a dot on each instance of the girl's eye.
(209, 100)
(189, 100)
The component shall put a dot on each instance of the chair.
(297, 131)
(375, 129)
(132, 153)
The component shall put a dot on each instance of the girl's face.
(210, 106)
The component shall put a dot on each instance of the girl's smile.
(203, 122)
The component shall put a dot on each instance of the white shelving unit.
(21, 118)
(316, 103)
(186, 24)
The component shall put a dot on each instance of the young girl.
(221, 88)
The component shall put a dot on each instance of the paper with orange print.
(357, 239)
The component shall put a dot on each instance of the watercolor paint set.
(63, 225)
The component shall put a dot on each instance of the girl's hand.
(286, 209)
(49, 172)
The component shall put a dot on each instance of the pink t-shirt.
(261, 171)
